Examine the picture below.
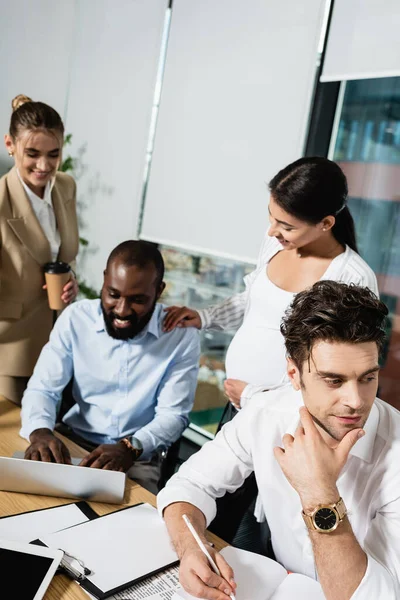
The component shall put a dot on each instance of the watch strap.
(341, 509)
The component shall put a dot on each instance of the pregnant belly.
(257, 355)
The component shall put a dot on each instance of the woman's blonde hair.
(31, 115)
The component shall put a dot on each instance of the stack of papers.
(29, 526)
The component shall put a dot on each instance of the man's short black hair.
(140, 254)
(333, 312)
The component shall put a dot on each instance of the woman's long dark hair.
(313, 188)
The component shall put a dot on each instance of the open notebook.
(260, 578)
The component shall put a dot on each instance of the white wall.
(95, 61)
(35, 50)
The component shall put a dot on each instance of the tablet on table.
(27, 569)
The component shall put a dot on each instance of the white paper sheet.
(119, 547)
(32, 525)
(299, 587)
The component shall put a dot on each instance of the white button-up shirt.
(369, 484)
(44, 211)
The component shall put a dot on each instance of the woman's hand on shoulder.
(181, 316)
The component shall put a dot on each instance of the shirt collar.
(34, 197)
(364, 447)
(152, 326)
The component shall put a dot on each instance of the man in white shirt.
(325, 453)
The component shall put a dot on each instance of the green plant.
(68, 164)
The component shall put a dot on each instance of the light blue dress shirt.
(143, 387)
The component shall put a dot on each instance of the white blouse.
(257, 352)
(44, 211)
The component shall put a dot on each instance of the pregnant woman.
(310, 237)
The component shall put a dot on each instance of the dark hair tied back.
(313, 188)
(33, 115)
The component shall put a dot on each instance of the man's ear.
(293, 374)
(160, 289)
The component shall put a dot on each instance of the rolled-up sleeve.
(226, 315)
(220, 466)
(382, 546)
(52, 372)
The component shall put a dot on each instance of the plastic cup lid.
(56, 267)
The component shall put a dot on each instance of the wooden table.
(61, 588)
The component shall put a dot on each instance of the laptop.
(64, 481)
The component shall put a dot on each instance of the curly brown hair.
(334, 312)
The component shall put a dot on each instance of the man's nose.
(122, 308)
(353, 398)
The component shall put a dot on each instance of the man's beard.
(126, 333)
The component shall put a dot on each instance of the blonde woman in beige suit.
(38, 224)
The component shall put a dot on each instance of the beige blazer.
(25, 318)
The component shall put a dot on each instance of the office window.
(366, 144)
(198, 282)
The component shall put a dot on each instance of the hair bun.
(19, 101)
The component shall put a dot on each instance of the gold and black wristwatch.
(325, 518)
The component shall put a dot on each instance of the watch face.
(325, 519)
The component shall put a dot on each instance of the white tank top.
(257, 352)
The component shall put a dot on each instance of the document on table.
(161, 586)
(29, 526)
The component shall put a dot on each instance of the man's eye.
(288, 228)
(112, 295)
(369, 379)
(333, 382)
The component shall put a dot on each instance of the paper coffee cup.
(56, 274)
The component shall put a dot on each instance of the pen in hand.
(204, 549)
